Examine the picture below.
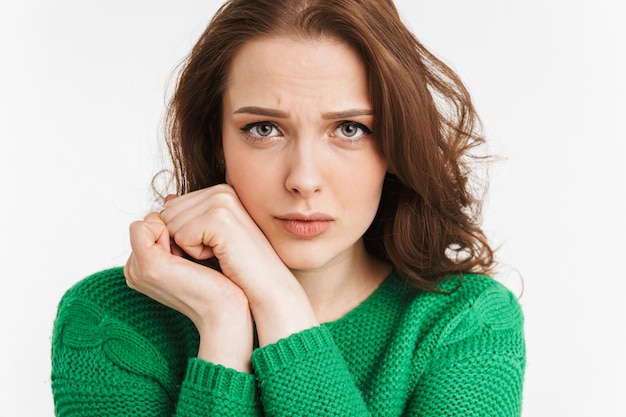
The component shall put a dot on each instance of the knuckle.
(134, 226)
(185, 238)
(226, 199)
(224, 215)
(153, 217)
(224, 188)
(166, 205)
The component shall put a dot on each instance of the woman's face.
(299, 150)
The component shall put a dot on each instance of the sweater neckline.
(373, 298)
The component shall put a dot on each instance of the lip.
(305, 225)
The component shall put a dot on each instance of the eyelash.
(257, 138)
(366, 131)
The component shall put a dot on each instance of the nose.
(304, 177)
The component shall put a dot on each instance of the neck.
(343, 284)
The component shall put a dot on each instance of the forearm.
(283, 310)
(102, 366)
(298, 366)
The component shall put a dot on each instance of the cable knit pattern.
(402, 352)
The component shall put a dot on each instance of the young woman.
(322, 255)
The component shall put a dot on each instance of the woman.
(322, 255)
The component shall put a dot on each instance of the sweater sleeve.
(101, 366)
(305, 374)
(210, 389)
(478, 363)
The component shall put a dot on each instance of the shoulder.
(466, 306)
(103, 305)
(98, 283)
(481, 304)
(105, 290)
(483, 296)
(470, 352)
(95, 301)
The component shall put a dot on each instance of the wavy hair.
(428, 222)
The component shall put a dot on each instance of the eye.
(263, 129)
(261, 132)
(352, 130)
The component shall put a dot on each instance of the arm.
(204, 224)
(478, 366)
(213, 222)
(292, 345)
(104, 364)
(306, 374)
(216, 306)
(218, 380)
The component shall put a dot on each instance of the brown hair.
(427, 224)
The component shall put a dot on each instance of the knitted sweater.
(402, 352)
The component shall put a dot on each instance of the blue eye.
(352, 130)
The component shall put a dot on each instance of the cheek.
(247, 181)
(369, 178)
(361, 188)
(240, 166)
(253, 181)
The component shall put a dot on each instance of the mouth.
(305, 226)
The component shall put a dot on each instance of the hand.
(217, 307)
(213, 222)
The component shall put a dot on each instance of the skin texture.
(304, 179)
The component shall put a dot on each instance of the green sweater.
(402, 352)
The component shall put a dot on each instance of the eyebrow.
(343, 114)
(347, 114)
(261, 111)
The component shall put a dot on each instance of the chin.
(306, 259)
(303, 264)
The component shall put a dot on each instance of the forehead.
(304, 68)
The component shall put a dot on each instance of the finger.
(170, 197)
(146, 234)
(180, 213)
(153, 217)
(163, 237)
(195, 238)
(196, 202)
(176, 250)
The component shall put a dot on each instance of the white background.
(82, 93)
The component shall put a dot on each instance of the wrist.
(237, 359)
(228, 341)
(286, 310)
